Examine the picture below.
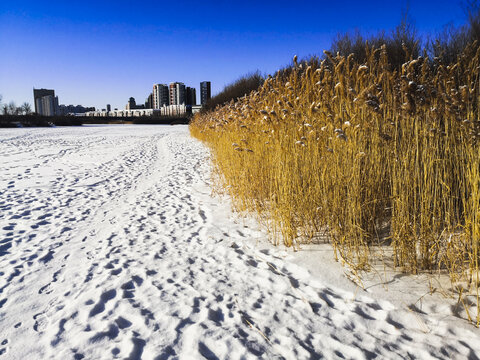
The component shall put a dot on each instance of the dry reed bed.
(369, 155)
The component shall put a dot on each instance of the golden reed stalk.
(365, 154)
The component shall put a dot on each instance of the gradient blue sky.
(98, 52)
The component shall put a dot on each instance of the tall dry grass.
(368, 155)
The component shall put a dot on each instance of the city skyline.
(91, 53)
(176, 93)
(46, 103)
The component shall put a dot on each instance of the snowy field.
(112, 247)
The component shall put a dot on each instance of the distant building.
(205, 92)
(38, 94)
(196, 108)
(177, 93)
(132, 105)
(160, 96)
(149, 102)
(166, 110)
(190, 96)
(73, 109)
(109, 108)
(39, 106)
(46, 103)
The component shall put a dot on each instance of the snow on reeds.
(372, 156)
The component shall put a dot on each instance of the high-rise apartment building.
(132, 104)
(177, 93)
(49, 105)
(149, 101)
(205, 92)
(190, 96)
(46, 103)
(160, 96)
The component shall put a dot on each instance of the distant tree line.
(240, 87)
(34, 120)
(12, 109)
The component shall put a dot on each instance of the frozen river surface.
(112, 247)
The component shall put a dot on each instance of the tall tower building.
(149, 101)
(49, 105)
(190, 96)
(42, 107)
(132, 104)
(160, 96)
(177, 93)
(39, 106)
(205, 92)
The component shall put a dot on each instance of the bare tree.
(236, 90)
(472, 9)
(12, 108)
(448, 44)
(401, 43)
(26, 108)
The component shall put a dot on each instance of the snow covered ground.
(112, 247)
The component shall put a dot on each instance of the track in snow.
(111, 247)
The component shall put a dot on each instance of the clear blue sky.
(98, 52)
